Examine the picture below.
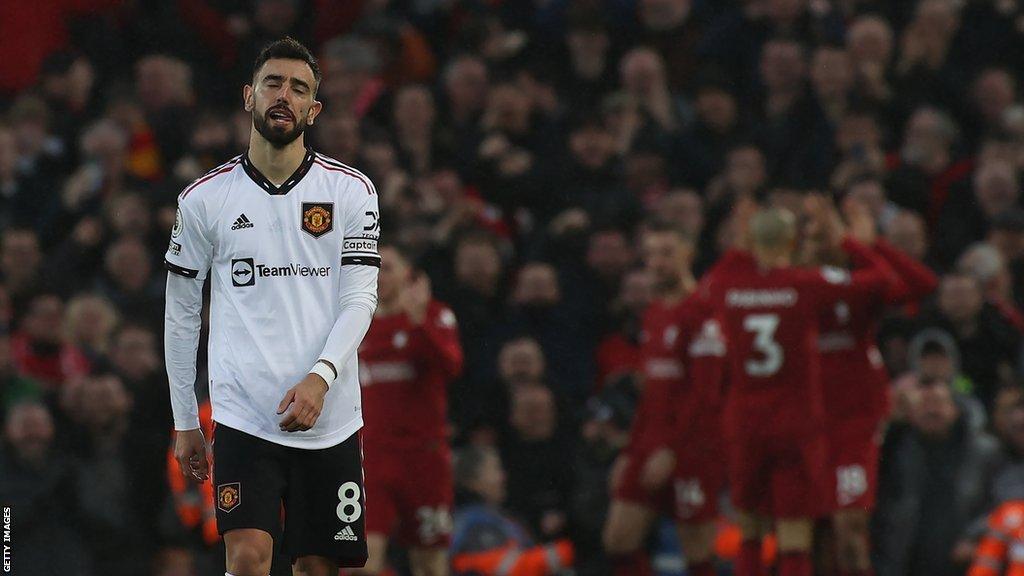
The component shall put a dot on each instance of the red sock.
(705, 568)
(748, 563)
(635, 564)
(796, 564)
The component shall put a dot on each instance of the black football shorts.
(316, 494)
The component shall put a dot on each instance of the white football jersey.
(278, 258)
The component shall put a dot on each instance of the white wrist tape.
(324, 371)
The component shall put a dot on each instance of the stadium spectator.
(23, 190)
(935, 480)
(89, 322)
(925, 69)
(618, 354)
(993, 92)
(985, 263)
(120, 490)
(907, 231)
(533, 446)
(869, 40)
(966, 219)
(21, 261)
(477, 297)
(1007, 235)
(1008, 427)
(14, 388)
(414, 124)
(129, 281)
(485, 538)
(589, 180)
(134, 358)
(603, 434)
(38, 483)
(922, 174)
(718, 125)
(588, 62)
(643, 77)
(986, 341)
(40, 349)
(870, 191)
(465, 90)
(67, 82)
(538, 309)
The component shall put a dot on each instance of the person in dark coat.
(935, 482)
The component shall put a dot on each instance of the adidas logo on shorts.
(347, 534)
(242, 222)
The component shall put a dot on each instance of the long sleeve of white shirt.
(358, 301)
(182, 322)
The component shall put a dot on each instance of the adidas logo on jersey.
(346, 534)
(242, 222)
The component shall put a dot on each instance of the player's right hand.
(191, 452)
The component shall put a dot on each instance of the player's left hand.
(304, 401)
(657, 469)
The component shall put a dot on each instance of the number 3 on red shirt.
(763, 326)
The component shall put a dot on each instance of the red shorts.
(698, 481)
(853, 469)
(779, 477)
(410, 491)
(629, 489)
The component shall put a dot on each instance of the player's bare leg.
(796, 537)
(853, 551)
(624, 533)
(377, 553)
(249, 552)
(428, 561)
(314, 566)
(753, 529)
(698, 543)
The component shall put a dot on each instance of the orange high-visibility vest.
(1001, 550)
(194, 502)
(729, 539)
(511, 560)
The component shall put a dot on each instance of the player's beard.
(278, 138)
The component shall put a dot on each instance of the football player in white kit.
(288, 239)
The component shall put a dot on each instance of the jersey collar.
(290, 183)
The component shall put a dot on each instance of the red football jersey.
(682, 356)
(770, 321)
(404, 372)
(855, 382)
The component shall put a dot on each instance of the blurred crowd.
(517, 146)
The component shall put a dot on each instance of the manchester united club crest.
(228, 496)
(317, 218)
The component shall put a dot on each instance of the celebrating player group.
(763, 378)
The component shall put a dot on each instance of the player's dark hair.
(288, 48)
